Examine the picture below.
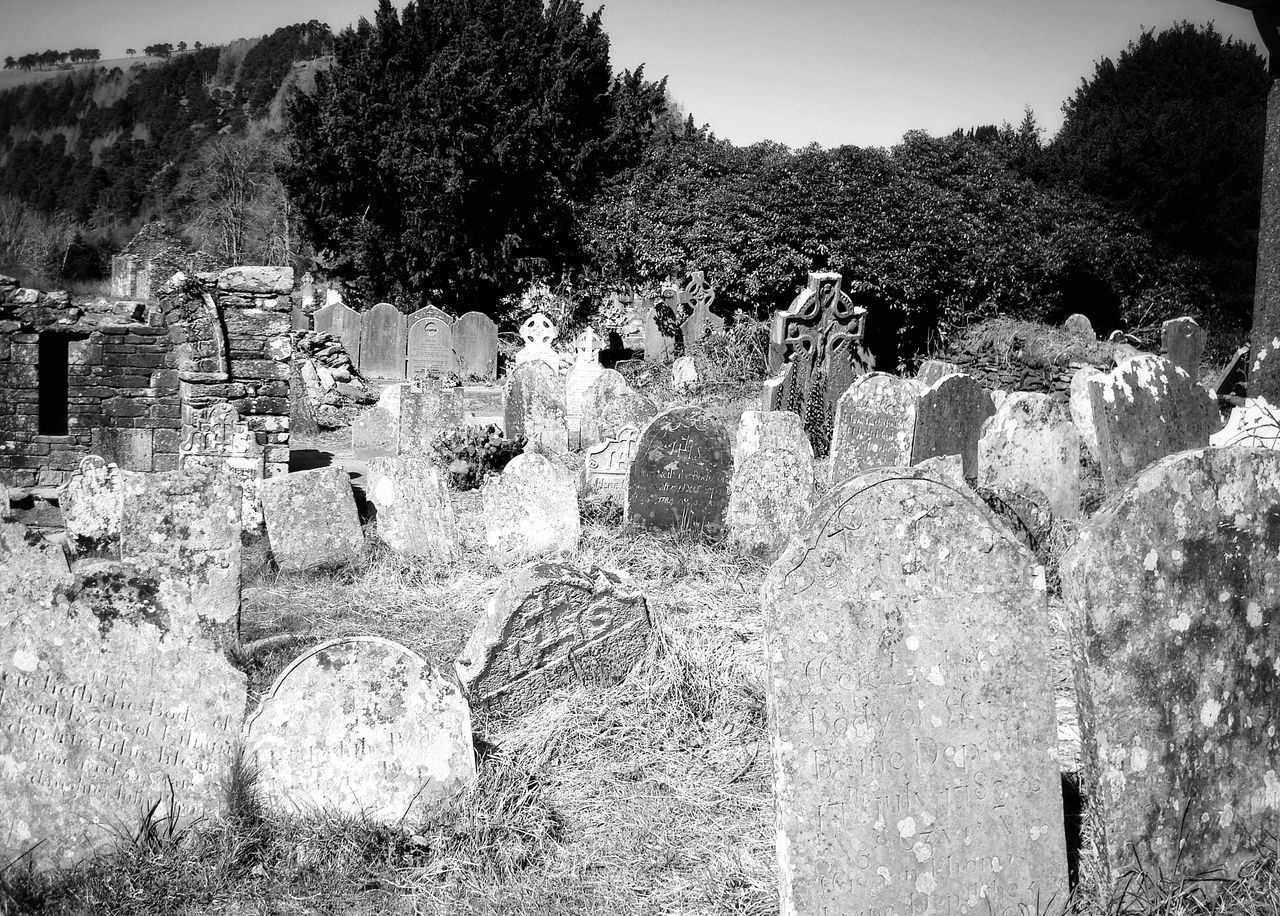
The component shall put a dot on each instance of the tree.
(182, 46)
(457, 140)
(130, 51)
(198, 46)
(10, 63)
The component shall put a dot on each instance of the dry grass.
(1032, 344)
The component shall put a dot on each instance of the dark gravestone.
(343, 323)
(949, 418)
(475, 341)
(912, 708)
(382, 342)
(1182, 341)
(874, 425)
(431, 348)
(1173, 592)
(680, 478)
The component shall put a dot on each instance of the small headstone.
(475, 341)
(343, 323)
(934, 370)
(535, 408)
(611, 404)
(1254, 424)
(1174, 600)
(1080, 326)
(607, 464)
(530, 509)
(430, 347)
(679, 480)
(552, 625)
(311, 519)
(771, 394)
(415, 514)
(373, 434)
(582, 375)
(696, 297)
(949, 418)
(426, 411)
(362, 727)
(912, 704)
(874, 425)
(1031, 443)
(684, 374)
(382, 342)
(1182, 341)
(779, 430)
(770, 497)
(1081, 405)
(537, 333)
(92, 500)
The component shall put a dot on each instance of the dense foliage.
(469, 454)
(45, 59)
(267, 63)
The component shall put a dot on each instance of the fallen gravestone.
(91, 501)
(382, 342)
(530, 509)
(912, 709)
(610, 404)
(535, 408)
(1174, 597)
(475, 342)
(949, 418)
(311, 519)
(415, 514)
(1031, 443)
(874, 425)
(679, 480)
(607, 464)
(374, 433)
(362, 727)
(552, 625)
(1182, 341)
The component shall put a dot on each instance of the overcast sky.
(796, 71)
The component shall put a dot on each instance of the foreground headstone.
(1174, 598)
(92, 500)
(679, 480)
(535, 408)
(610, 404)
(415, 514)
(874, 426)
(607, 464)
(106, 707)
(949, 418)
(1182, 341)
(1031, 443)
(362, 727)
(550, 626)
(911, 703)
(374, 433)
(530, 509)
(311, 519)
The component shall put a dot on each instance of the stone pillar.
(1264, 363)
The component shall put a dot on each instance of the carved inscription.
(680, 477)
(609, 462)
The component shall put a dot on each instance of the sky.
(834, 72)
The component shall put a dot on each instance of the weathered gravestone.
(216, 437)
(375, 433)
(696, 297)
(1182, 341)
(343, 322)
(1254, 424)
(610, 404)
(535, 408)
(684, 374)
(1080, 326)
(530, 509)
(537, 333)
(1174, 598)
(1031, 443)
(311, 519)
(363, 727)
(108, 705)
(91, 501)
(874, 426)
(582, 375)
(607, 464)
(1081, 405)
(659, 316)
(934, 370)
(415, 514)
(382, 342)
(1144, 409)
(770, 497)
(679, 480)
(475, 342)
(911, 703)
(552, 625)
(426, 411)
(949, 418)
(430, 344)
(779, 430)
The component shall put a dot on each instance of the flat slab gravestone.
(607, 464)
(1182, 340)
(363, 727)
(430, 347)
(874, 425)
(311, 519)
(475, 341)
(535, 408)
(106, 709)
(415, 513)
(550, 626)
(92, 500)
(375, 433)
(680, 478)
(1031, 443)
(911, 705)
(610, 404)
(530, 509)
(1173, 593)
(949, 418)
(382, 342)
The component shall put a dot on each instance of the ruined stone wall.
(1005, 375)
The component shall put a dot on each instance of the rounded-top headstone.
(1182, 340)
(610, 404)
(1031, 442)
(362, 726)
(680, 478)
(874, 425)
(531, 509)
(1080, 326)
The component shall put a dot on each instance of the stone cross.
(695, 298)
(537, 333)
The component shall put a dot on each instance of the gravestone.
(382, 342)
(679, 480)
(658, 316)
(530, 509)
(537, 333)
(1081, 406)
(475, 342)
(535, 408)
(343, 323)
(696, 297)
(415, 514)
(107, 708)
(912, 710)
(216, 437)
(934, 370)
(127, 449)
(430, 348)
(552, 625)
(426, 411)
(684, 374)
(311, 519)
(92, 500)
(374, 433)
(607, 464)
(362, 727)
(1182, 342)
(1173, 594)
(1080, 326)
(778, 430)
(874, 426)
(1254, 424)
(1031, 443)
(582, 374)
(610, 404)
(1144, 409)
(949, 418)
(770, 497)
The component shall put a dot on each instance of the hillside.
(12, 79)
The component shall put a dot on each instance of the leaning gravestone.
(362, 727)
(582, 375)
(1182, 341)
(949, 418)
(912, 710)
(552, 625)
(91, 501)
(530, 509)
(679, 480)
(607, 464)
(874, 425)
(535, 408)
(1144, 409)
(1174, 598)
(475, 341)
(311, 519)
(109, 705)
(430, 347)
(374, 434)
(1031, 443)
(382, 342)
(415, 514)
(426, 411)
(611, 404)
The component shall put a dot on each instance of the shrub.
(469, 454)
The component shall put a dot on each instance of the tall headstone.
(607, 464)
(415, 514)
(1031, 444)
(216, 437)
(530, 509)
(537, 333)
(1173, 594)
(875, 424)
(426, 411)
(475, 341)
(610, 404)
(343, 322)
(430, 348)
(582, 374)
(311, 519)
(374, 433)
(1182, 341)
(91, 501)
(363, 727)
(911, 705)
(679, 480)
(772, 490)
(552, 625)
(696, 297)
(949, 418)
(535, 408)
(382, 342)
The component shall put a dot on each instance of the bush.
(469, 454)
